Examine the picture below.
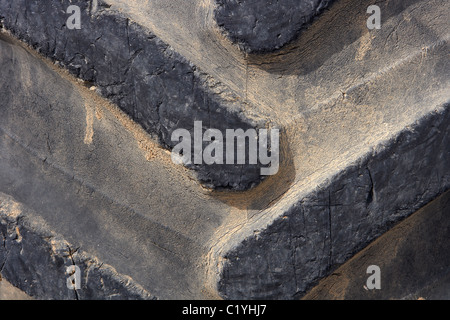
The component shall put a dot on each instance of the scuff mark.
(89, 125)
(364, 46)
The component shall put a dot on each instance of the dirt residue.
(364, 46)
(89, 124)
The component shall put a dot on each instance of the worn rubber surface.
(35, 259)
(365, 143)
(143, 75)
(265, 26)
(413, 258)
(9, 292)
(97, 179)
